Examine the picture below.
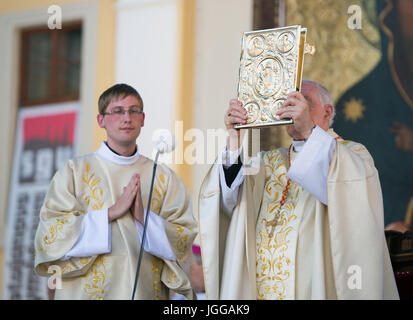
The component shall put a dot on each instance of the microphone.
(166, 142)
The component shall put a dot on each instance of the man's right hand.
(235, 114)
(125, 201)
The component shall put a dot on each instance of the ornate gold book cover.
(271, 67)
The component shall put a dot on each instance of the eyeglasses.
(119, 112)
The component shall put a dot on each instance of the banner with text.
(45, 140)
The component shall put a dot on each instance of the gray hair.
(324, 96)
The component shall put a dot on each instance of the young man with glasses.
(92, 219)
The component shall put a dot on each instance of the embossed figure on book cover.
(270, 68)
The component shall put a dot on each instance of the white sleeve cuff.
(95, 236)
(156, 240)
(229, 157)
(310, 167)
(230, 194)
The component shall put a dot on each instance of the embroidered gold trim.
(158, 195)
(171, 277)
(182, 244)
(273, 262)
(156, 278)
(70, 266)
(95, 191)
(95, 279)
(55, 228)
(66, 269)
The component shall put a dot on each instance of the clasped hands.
(295, 107)
(130, 200)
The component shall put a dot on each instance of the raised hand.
(235, 114)
(297, 108)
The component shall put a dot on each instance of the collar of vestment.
(106, 153)
(299, 144)
(332, 133)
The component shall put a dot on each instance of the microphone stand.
(145, 226)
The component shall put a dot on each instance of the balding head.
(324, 97)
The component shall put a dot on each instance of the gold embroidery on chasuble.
(54, 230)
(95, 193)
(171, 277)
(182, 244)
(66, 269)
(158, 193)
(276, 231)
(95, 277)
(69, 267)
(156, 278)
(92, 199)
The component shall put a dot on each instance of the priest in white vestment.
(92, 219)
(308, 224)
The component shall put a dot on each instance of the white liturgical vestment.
(330, 222)
(98, 260)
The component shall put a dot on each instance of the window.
(50, 64)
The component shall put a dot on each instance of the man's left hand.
(296, 107)
(137, 206)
